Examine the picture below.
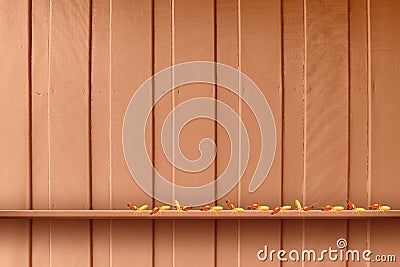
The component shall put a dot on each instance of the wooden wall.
(329, 69)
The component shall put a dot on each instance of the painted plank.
(293, 120)
(326, 118)
(358, 110)
(100, 105)
(163, 246)
(100, 129)
(40, 136)
(69, 130)
(227, 48)
(15, 118)
(384, 111)
(131, 65)
(192, 45)
(260, 59)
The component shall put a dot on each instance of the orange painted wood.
(293, 119)
(358, 123)
(69, 129)
(15, 191)
(100, 105)
(384, 112)
(189, 45)
(163, 246)
(260, 59)
(131, 65)
(227, 49)
(326, 118)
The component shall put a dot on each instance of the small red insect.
(253, 206)
(374, 206)
(230, 205)
(131, 206)
(206, 208)
(327, 208)
(307, 208)
(276, 210)
(186, 208)
(351, 205)
(155, 210)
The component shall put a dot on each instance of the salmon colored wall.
(329, 69)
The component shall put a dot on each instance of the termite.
(217, 208)
(239, 209)
(375, 207)
(186, 208)
(384, 208)
(351, 205)
(338, 208)
(287, 207)
(165, 207)
(253, 206)
(230, 205)
(155, 210)
(307, 208)
(298, 205)
(263, 208)
(132, 207)
(177, 205)
(327, 208)
(359, 210)
(142, 208)
(206, 208)
(276, 210)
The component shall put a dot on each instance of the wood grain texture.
(163, 246)
(15, 190)
(190, 45)
(358, 122)
(260, 52)
(326, 118)
(69, 129)
(131, 65)
(293, 119)
(384, 113)
(227, 52)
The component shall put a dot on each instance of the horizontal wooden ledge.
(193, 214)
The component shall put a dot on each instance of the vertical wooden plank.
(163, 229)
(194, 40)
(68, 129)
(100, 133)
(14, 117)
(131, 65)
(385, 110)
(40, 138)
(326, 118)
(227, 48)
(293, 120)
(358, 110)
(260, 54)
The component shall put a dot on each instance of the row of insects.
(255, 206)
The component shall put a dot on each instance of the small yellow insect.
(298, 205)
(217, 208)
(165, 207)
(263, 208)
(142, 208)
(239, 209)
(384, 208)
(338, 208)
(177, 205)
(359, 210)
(287, 207)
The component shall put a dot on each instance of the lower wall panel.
(42, 242)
